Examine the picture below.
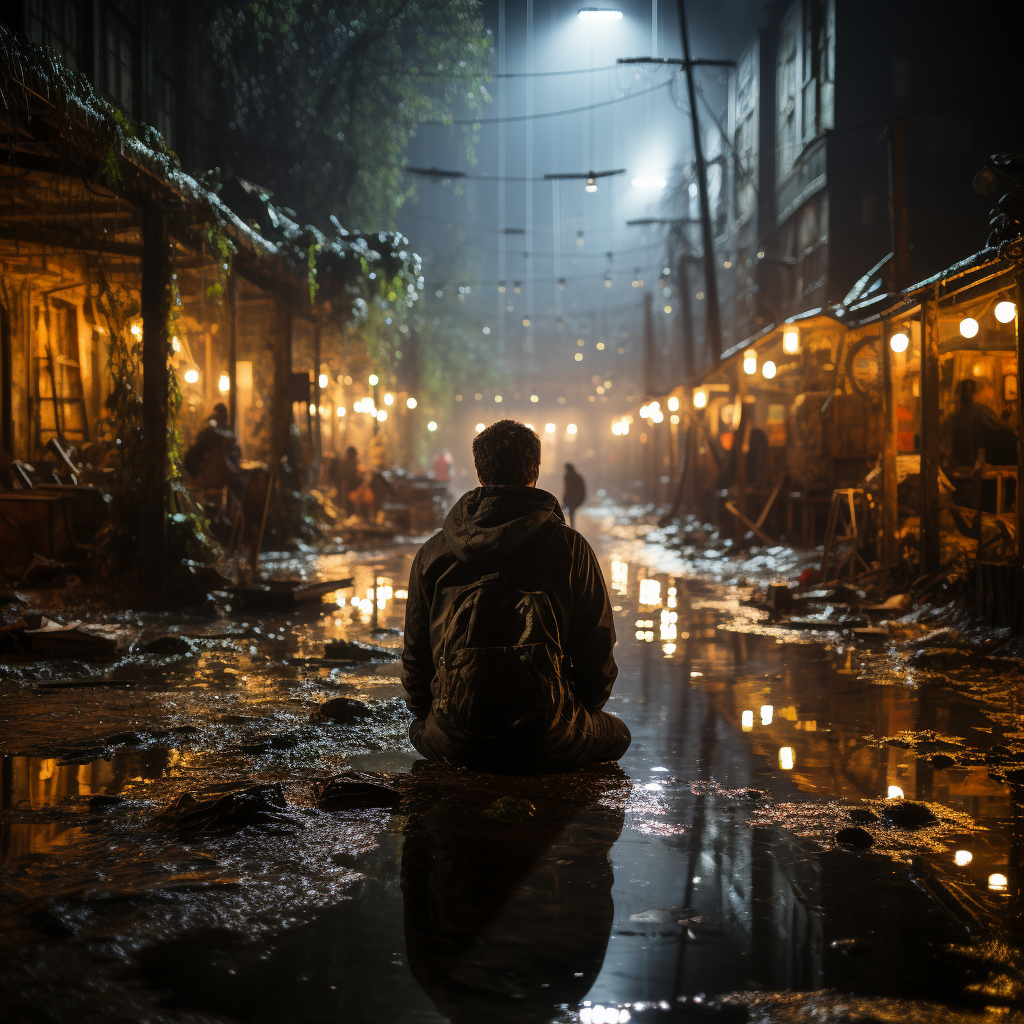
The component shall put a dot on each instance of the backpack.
(499, 660)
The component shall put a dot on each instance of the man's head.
(351, 453)
(570, 468)
(966, 390)
(220, 414)
(507, 453)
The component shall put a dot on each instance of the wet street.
(751, 857)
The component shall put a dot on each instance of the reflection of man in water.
(974, 425)
(507, 921)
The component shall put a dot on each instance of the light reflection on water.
(704, 890)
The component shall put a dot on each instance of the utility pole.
(649, 360)
(713, 321)
(712, 317)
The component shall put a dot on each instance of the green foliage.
(188, 528)
(326, 95)
(314, 248)
(221, 249)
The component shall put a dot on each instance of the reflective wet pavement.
(706, 864)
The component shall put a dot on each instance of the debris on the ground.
(282, 595)
(49, 639)
(341, 709)
(907, 813)
(259, 804)
(354, 650)
(855, 837)
(354, 790)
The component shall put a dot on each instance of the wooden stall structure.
(125, 283)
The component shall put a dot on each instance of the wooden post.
(281, 405)
(233, 353)
(689, 338)
(317, 426)
(929, 437)
(6, 382)
(156, 309)
(712, 316)
(1019, 296)
(650, 383)
(890, 512)
(899, 219)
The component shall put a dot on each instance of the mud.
(225, 822)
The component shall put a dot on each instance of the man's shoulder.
(431, 550)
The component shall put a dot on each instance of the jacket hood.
(490, 524)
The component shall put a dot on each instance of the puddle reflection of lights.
(695, 674)
(654, 787)
(650, 592)
(998, 883)
(747, 720)
(598, 1014)
(894, 793)
(668, 631)
(962, 858)
(786, 758)
(767, 711)
(669, 650)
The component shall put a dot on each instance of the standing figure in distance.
(575, 492)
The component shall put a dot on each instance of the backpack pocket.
(499, 692)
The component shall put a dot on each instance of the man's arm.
(591, 641)
(417, 656)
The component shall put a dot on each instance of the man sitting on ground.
(509, 634)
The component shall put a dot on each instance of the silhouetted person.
(508, 921)
(212, 459)
(575, 492)
(973, 426)
(509, 634)
(345, 476)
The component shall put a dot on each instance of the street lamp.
(1005, 312)
(432, 426)
(411, 403)
(700, 399)
(899, 342)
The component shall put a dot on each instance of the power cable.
(550, 113)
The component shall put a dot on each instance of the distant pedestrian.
(345, 475)
(575, 492)
(443, 467)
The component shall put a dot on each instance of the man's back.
(516, 536)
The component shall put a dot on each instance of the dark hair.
(966, 390)
(506, 452)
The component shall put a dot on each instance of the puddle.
(717, 870)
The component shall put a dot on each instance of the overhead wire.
(546, 114)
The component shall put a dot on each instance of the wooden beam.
(890, 511)
(929, 438)
(68, 239)
(156, 308)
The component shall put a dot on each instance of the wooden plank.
(929, 438)
(890, 510)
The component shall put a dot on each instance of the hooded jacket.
(501, 525)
